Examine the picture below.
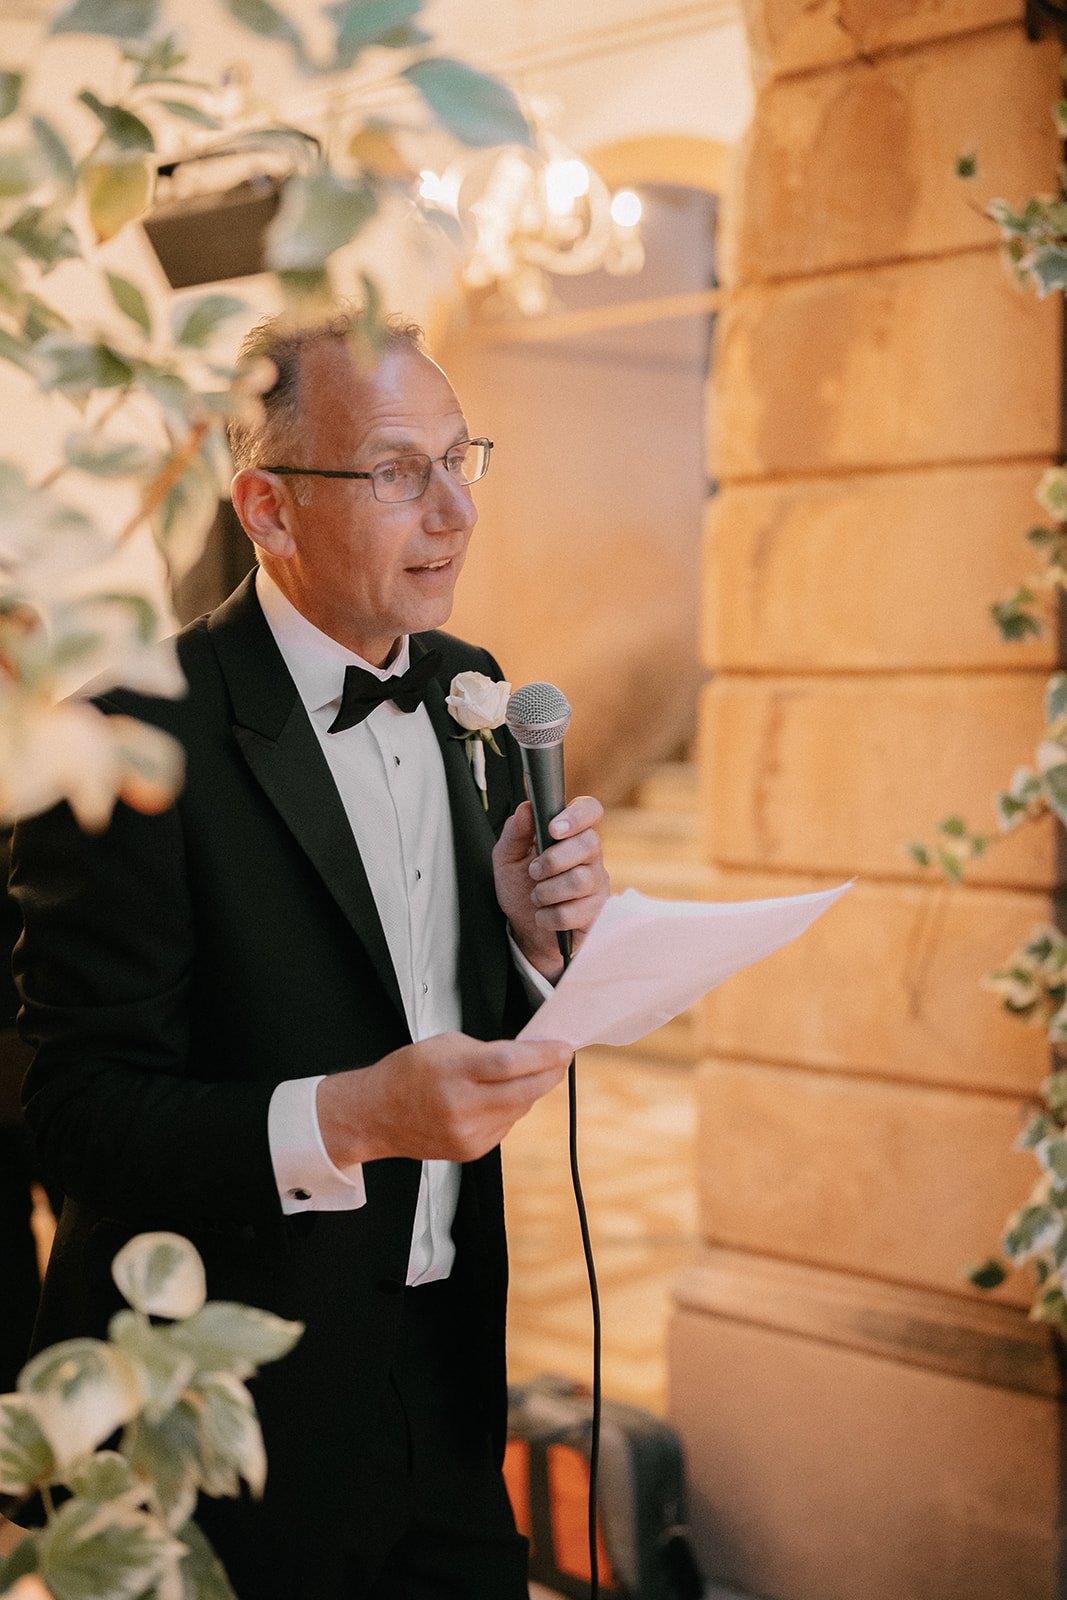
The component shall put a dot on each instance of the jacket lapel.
(279, 744)
(483, 958)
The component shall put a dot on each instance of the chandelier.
(528, 213)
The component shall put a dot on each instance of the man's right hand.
(449, 1098)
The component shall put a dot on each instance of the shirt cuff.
(306, 1177)
(537, 986)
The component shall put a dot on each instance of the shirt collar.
(316, 662)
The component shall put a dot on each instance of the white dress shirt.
(390, 776)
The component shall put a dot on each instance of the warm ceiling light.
(626, 208)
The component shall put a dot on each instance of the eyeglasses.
(406, 477)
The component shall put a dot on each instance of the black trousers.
(453, 1536)
(429, 1517)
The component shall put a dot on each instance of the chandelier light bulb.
(565, 182)
(626, 208)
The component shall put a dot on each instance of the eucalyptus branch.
(156, 491)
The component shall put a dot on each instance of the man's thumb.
(517, 835)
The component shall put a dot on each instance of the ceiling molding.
(634, 33)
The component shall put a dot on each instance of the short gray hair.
(285, 343)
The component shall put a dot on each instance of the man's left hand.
(542, 895)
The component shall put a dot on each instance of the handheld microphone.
(538, 716)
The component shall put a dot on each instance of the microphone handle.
(542, 767)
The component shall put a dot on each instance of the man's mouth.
(433, 566)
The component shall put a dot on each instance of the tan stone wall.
(884, 402)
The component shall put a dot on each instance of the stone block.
(967, 1338)
(887, 984)
(858, 165)
(883, 571)
(822, 1473)
(923, 363)
(896, 1181)
(796, 35)
(834, 775)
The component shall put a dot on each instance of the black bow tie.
(363, 691)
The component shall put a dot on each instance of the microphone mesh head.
(538, 714)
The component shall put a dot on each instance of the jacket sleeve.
(105, 970)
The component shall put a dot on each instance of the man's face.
(363, 571)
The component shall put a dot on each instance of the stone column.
(859, 1423)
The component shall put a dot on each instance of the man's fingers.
(508, 1061)
(584, 811)
(517, 835)
(565, 855)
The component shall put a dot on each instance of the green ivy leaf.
(1052, 1154)
(1054, 1090)
(194, 324)
(158, 61)
(10, 92)
(318, 214)
(19, 1564)
(26, 1457)
(1056, 788)
(106, 458)
(40, 318)
(1013, 621)
(230, 1436)
(235, 1338)
(167, 1454)
(18, 174)
(967, 164)
(1034, 1229)
(360, 23)
(87, 1551)
(918, 853)
(118, 192)
(168, 389)
(203, 1574)
(951, 866)
(259, 16)
(190, 113)
(45, 237)
(477, 109)
(115, 19)
(124, 130)
(954, 827)
(165, 1368)
(76, 368)
(130, 301)
(1038, 1128)
(1048, 268)
(55, 155)
(1056, 697)
(161, 1275)
(103, 1476)
(84, 1389)
(1052, 1307)
(181, 522)
(17, 351)
(989, 1275)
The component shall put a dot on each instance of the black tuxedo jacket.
(173, 970)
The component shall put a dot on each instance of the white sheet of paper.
(645, 961)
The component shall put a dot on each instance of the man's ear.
(265, 508)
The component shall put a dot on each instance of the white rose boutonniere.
(478, 705)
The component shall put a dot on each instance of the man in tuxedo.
(279, 1017)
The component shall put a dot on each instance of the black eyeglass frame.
(416, 455)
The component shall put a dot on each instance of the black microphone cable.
(594, 1297)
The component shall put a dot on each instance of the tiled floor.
(635, 1147)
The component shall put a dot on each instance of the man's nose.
(448, 501)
